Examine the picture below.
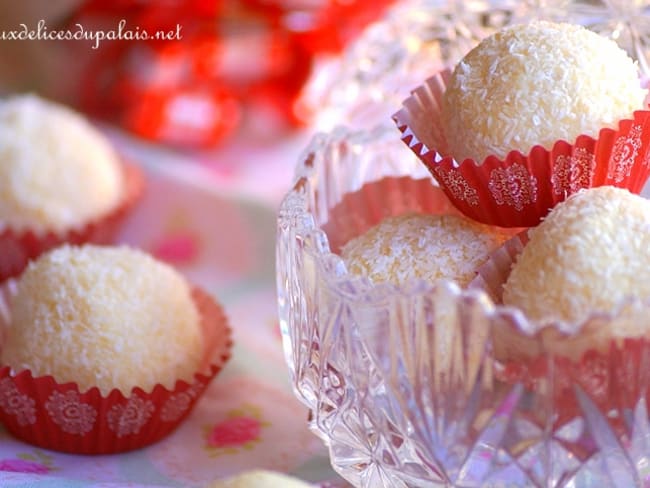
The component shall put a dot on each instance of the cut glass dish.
(408, 386)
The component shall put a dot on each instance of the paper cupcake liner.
(613, 379)
(491, 276)
(56, 416)
(18, 248)
(521, 189)
(567, 359)
(510, 341)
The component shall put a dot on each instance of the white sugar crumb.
(422, 246)
(533, 84)
(588, 255)
(111, 317)
(56, 170)
(259, 478)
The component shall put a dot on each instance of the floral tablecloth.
(213, 218)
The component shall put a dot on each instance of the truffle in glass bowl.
(408, 384)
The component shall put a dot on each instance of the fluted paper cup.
(519, 191)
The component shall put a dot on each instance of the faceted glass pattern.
(412, 386)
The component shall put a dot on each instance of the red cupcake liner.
(559, 359)
(18, 248)
(519, 190)
(57, 416)
(615, 378)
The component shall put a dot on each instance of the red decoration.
(233, 58)
(183, 116)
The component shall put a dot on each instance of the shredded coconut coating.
(111, 317)
(259, 478)
(533, 84)
(421, 246)
(56, 170)
(588, 255)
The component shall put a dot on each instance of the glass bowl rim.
(361, 289)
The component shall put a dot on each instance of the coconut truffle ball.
(422, 246)
(56, 170)
(536, 83)
(588, 255)
(259, 478)
(111, 317)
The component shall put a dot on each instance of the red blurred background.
(234, 65)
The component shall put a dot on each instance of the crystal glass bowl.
(428, 385)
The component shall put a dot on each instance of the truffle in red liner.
(536, 137)
(60, 181)
(598, 354)
(391, 196)
(47, 394)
